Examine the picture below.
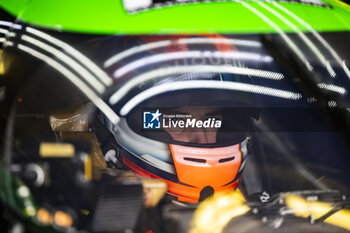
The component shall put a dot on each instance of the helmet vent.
(195, 160)
(226, 159)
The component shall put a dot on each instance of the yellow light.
(340, 219)
(63, 219)
(85, 212)
(214, 213)
(62, 150)
(2, 67)
(44, 216)
(88, 167)
(153, 190)
(30, 210)
(305, 209)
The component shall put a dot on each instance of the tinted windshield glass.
(250, 88)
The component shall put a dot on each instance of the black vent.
(226, 160)
(195, 160)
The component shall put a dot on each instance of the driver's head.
(182, 122)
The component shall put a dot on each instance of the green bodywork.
(10, 187)
(109, 17)
(19, 197)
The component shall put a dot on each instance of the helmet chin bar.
(207, 169)
(229, 162)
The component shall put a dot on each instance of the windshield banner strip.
(134, 6)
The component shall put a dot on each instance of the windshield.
(201, 91)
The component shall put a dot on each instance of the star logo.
(156, 115)
(151, 119)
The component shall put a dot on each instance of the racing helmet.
(185, 110)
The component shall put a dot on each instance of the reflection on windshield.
(231, 79)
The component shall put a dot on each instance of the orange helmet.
(185, 110)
